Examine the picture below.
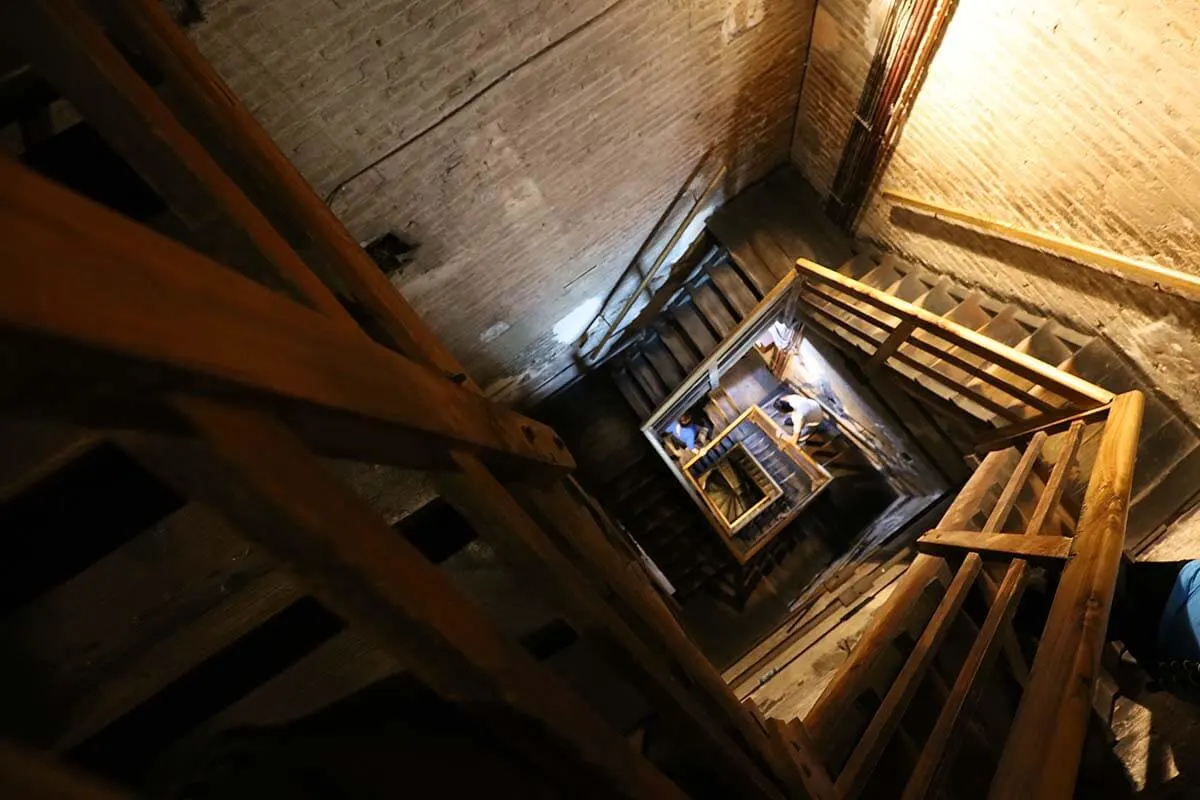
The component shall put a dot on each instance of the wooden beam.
(854, 776)
(1016, 482)
(1052, 492)
(1050, 423)
(1071, 387)
(1016, 545)
(68, 48)
(1155, 276)
(284, 195)
(111, 300)
(1041, 757)
(258, 474)
(811, 780)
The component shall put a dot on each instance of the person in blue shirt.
(1156, 614)
(688, 434)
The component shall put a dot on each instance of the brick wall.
(527, 146)
(1061, 116)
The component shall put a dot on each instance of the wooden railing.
(230, 389)
(1021, 391)
(1039, 754)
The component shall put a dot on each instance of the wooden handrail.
(1068, 386)
(1048, 731)
(117, 295)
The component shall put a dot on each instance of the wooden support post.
(257, 473)
(525, 545)
(1012, 545)
(122, 302)
(1043, 749)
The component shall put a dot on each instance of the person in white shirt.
(804, 414)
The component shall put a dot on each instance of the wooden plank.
(1050, 423)
(83, 280)
(1038, 372)
(1041, 757)
(733, 288)
(1016, 482)
(853, 777)
(1048, 503)
(286, 196)
(698, 332)
(1016, 545)
(633, 394)
(819, 784)
(731, 230)
(259, 474)
(31, 775)
(646, 378)
(714, 311)
(938, 749)
(155, 585)
(70, 49)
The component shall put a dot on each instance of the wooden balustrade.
(1000, 379)
(1043, 745)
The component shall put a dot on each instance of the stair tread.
(709, 304)
(679, 346)
(632, 393)
(694, 326)
(734, 289)
(663, 363)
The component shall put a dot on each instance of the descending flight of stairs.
(1168, 446)
(765, 229)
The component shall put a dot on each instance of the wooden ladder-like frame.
(231, 390)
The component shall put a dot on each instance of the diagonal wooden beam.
(854, 776)
(258, 474)
(93, 296)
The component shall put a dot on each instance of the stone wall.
(1061, 116)
(527, 147)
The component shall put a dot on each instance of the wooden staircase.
(956, 378)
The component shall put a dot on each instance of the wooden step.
(665, 366)
(633, 394)
(696, 329)
(710, 305)
(734, 289)
(679, 345)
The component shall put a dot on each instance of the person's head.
(685, 418)
(783, 405)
